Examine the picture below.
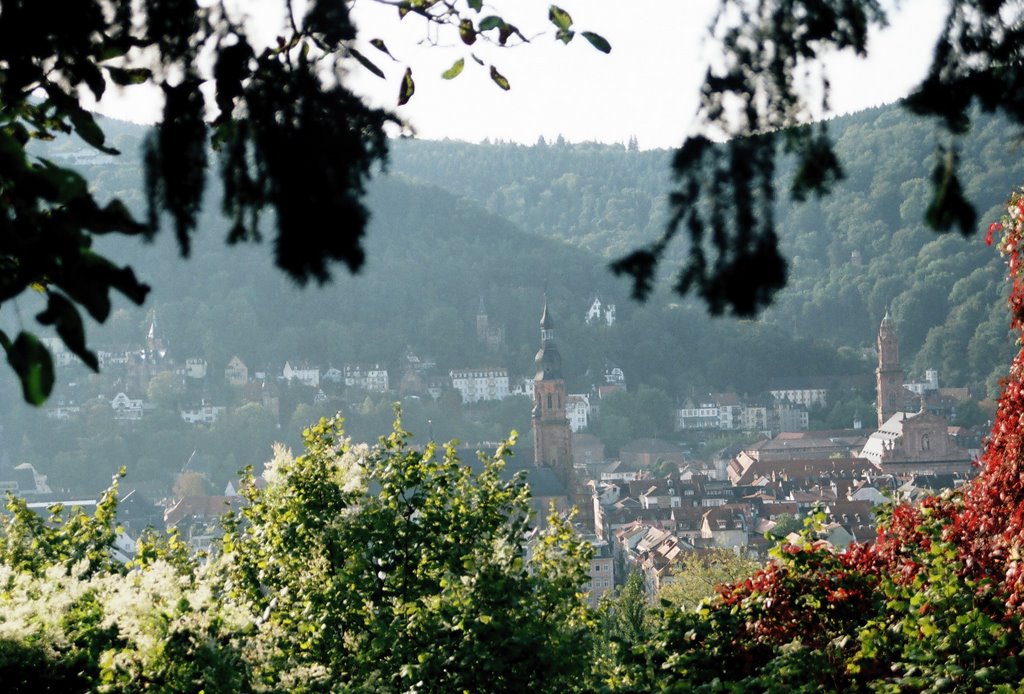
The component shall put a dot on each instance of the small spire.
(546, 321)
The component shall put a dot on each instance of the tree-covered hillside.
(851, 254)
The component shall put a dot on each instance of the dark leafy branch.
(751, 98)
(288, 133)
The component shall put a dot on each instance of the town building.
(371, 377)
(236, 373)
(917, 443)
(487, 333)
(475, 385)
(125, 408)
(203, 413)
(577, 409)
(195, 367)
(799, 393)
(302, 372)
(600, 313)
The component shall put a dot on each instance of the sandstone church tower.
(888, 375)
(552, 437)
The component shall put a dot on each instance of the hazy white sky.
(646, 87)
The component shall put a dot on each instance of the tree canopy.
(356, 568)
(725, 193)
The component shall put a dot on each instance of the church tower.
(888, 375)
(552, 437)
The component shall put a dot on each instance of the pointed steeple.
(547, 324)
(548, 360)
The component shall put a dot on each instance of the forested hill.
(852, 254)
(454, 222)
(431, 258)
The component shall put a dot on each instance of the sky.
(646, 87)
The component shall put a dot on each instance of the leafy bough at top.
(288, 132)
(725, 193)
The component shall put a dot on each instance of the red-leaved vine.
(937, 601)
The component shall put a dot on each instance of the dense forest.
(455, 223)
(851, 255)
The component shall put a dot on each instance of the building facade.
(475, 385)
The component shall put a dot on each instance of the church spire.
(548, 360)
(888, 376)
(547, 324)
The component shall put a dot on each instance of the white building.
(475, 385)
(614, 376)
(931, 382)
(600, 313)
(802, 396)
(108, 359)
(236, 373)
(372, 377)
(577, 411)
(333, 375)
(203, 413)
(602, 573)
(195, 368)
(126, 409)
(704, 415)
(303, 373)
(525, 387)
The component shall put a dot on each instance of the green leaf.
(560, 18)
(466, 32)
(83, 122)
(597, 41)
(33, 364)
(62, 313)
(475, 5)
(506, 31)
(365, 62)
(499, 79)
(490, 22)
(126, 77)
(407, 89)
(455, 70)
(380, 46)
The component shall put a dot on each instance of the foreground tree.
(697, 577)
(357, 568)
(937, 603)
